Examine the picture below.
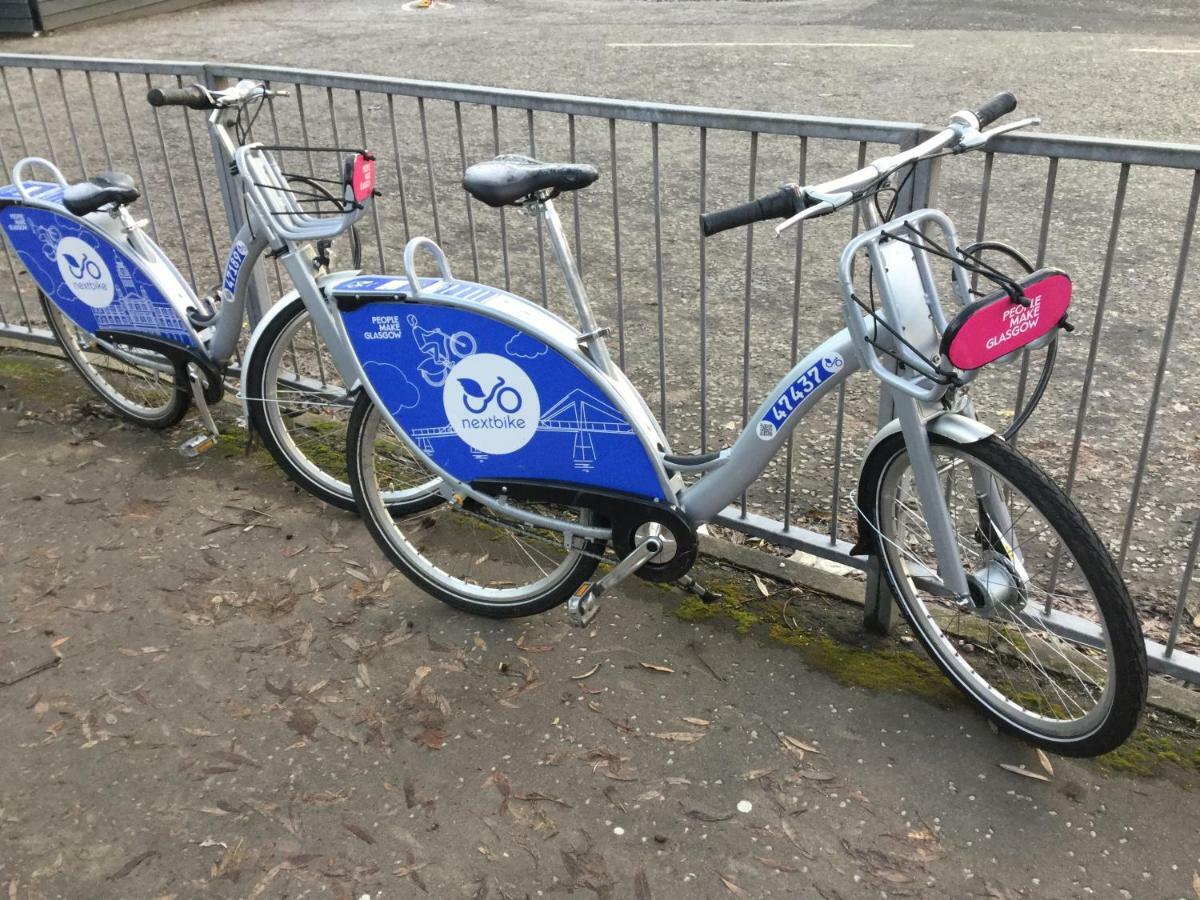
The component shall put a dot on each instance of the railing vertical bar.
(399, 167)
(437, 225)
(37, 100)
(16, 117)
(62, 89)
(462, 156)
(1093, 348)
(1043, 239)
(162, 146)
(658, 277)
(503, 217)
(108, 162)
(703, 297)
(137, 156)
(337, 141)
(789, 476)
(541, 244)
(275, 268)
(1181, 604)
(1160, 373)
(12, 269)
(304, 141)
(612, 161)
(985, 192)
(208, 226)
(746, 304)
(575, 198)
(362, 131)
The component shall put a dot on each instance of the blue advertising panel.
(95, 283)
(487, 401)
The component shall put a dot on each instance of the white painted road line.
(763, 44)
(1160, 50)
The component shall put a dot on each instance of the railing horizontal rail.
(88, 64)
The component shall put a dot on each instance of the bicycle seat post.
(592, 340)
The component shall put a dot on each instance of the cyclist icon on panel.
(442, 351)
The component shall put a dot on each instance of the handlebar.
(193, 97)
(196, 96)
(794, 203)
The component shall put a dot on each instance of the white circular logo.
(84, 272)
(491, 403)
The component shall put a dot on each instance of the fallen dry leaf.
(1021, 770)
(792, 744)
(653, 668)
(433, 738)
(762, 587)
(755, 774)
(1196, 875)
(682, 737)
(359, 832)
(692, 720)
(732, 888)
(1045, 761)
(533, 648)
(589, 673)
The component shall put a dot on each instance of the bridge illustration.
(577, 413)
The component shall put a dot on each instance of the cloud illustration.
(525, 347)
(400, 392)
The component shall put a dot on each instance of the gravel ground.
(212, 686)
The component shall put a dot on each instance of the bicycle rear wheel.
(300, 407)
(143, 386)
(467, 556)
(1051, 648)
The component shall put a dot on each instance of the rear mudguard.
(953, 426)
(489, 386)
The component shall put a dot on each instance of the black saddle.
(107, 187)
(510, 179)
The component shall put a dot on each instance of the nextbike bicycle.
(1000, 576)
(142, 338)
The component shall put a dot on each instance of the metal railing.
(1118, 215)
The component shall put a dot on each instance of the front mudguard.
(953, 426)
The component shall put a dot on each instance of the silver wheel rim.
(475, 543)
(154, 373)
(1037, 681)
(301, 387)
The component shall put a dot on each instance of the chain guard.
(623, 513)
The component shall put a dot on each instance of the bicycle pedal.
(194, 446)
(583, 605)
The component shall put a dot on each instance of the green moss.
(881, 668)
(1148, 753)
(692, 609)
(743, 620)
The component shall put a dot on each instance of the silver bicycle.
(1001, 578)
(150, 346)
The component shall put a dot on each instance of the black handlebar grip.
(1000, 105)
(782, 204)
(192, 97)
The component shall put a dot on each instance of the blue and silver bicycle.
(541, 453)
(151, 346)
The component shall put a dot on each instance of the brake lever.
(827, 203)
(979, 138)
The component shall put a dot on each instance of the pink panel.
(1005, 325)
(362, 181)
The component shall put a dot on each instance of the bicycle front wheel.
(467, 556)
(1050, 646)
(143, 386)
(300, 407)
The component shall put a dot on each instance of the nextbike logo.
(491, 403)
(84, 272)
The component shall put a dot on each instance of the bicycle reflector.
(999, 324)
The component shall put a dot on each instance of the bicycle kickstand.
(584, 603)
(206, 440)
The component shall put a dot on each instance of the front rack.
(305, 206)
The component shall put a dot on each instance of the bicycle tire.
(460, 540)
(166, 381)
(1037, 717)
(310, 451)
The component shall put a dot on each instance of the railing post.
(879, 609)
(260, 290)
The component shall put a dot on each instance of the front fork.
(1002, 575)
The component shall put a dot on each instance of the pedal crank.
(584, 603)
(194, 446)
